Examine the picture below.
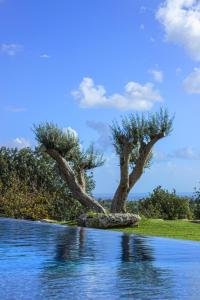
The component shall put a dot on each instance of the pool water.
(43, 261)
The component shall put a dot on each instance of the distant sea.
(136, 196)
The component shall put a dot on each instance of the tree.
(72, 161)
(133, 141)
(31, 186)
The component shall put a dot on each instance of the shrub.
(164, 204)
(195, 204)
(31, 187)
(19, 202)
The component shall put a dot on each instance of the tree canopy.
(133, 140)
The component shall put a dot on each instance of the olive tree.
(73, 162)
(133, 140)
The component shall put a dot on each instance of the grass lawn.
(179, 229)
(184, 230)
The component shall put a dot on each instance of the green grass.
(179, 229)
(70, 223)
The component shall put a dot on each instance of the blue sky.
(83, 64)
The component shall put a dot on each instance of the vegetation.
(162, 204)
(133, 141)
(178, 229)
(195, 204)
(54, 181)
(72, 161)
(31, 188)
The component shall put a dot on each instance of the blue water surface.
(44, 261)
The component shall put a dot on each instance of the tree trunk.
(140, 164)
(120, 197)
(127, 181)
(119, 200)
(73, 184)
(81, 179)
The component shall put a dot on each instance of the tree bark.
(81, 179)
(120, 197)
(74, 185)
(127, 181)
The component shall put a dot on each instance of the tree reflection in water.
(137, 272)
(86, 265)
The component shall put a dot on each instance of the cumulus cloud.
(71, 130)
(136, 96)
(157, 75)
(192, 82)
(181, 21)
(103, 130)
(11, 49)
(21, 142)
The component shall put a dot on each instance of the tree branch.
(76, 189)
(140, 164)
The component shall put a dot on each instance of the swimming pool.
(44, 261)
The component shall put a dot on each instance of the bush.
(195, 204)
(163, 205)
(31, 187)
(19, 202)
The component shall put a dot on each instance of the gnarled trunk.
(120, 197)
(76, 188)
(119, 200)
(81, 179)
(127, 181)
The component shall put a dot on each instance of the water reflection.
(135, 249)
(42, 261)
(138, 276)
(126, 267)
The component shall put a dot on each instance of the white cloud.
(136, 96)
(71, 130)
(21, 142)
(159, 156)
(192, 82)
(186, 153)
(181, 21)
(45, 56)
(104, 140)
(157, 75)
(11, 49)
(15, 109)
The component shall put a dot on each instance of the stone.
(100, 220)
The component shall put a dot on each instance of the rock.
(195, 221)
(99, 220)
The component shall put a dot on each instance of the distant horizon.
(137, 195)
